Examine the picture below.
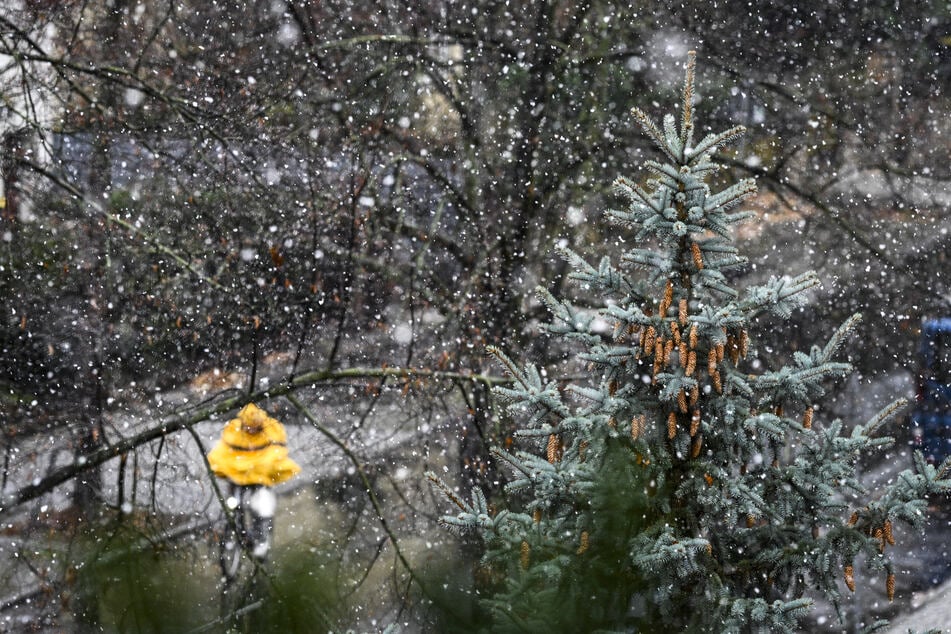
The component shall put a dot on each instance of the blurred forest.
(209, 203)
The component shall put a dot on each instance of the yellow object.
(253, 450)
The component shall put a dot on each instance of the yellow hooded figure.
(253, 450)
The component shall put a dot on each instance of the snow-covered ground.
(930, 609)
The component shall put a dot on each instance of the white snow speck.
(403, 334)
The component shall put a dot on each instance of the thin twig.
(374, 501)
(211, 625)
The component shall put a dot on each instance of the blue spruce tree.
(676, 489)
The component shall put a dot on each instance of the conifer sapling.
(676, 487)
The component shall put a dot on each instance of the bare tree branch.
(178, 421)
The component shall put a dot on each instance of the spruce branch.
(731, 196)
(567, 321)
(510, 367)
(686, 123)
(447, 491)
(634, 192)
(605, 278)
(779, 295)
(652, 131)
(885, 415)
(838, 338)
(670, 171)
(672, 138)
(712, 142)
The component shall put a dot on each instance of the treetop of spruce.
(680, 487)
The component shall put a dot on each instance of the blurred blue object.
(931, 418)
